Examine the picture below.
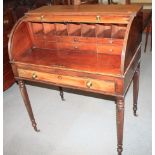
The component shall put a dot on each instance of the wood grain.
(91, 48)
(68, 80)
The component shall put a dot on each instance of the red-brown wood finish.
(120, 123)
(92, 48)
(136, 89)
(27, 103)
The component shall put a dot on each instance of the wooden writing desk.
(94, 48)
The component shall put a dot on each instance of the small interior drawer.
(76, 46)
(86, 83)
(109, 49)
(76, 39)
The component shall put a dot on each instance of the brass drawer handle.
(98, 18)
(41, 17)
(34, 76)
(89, 84)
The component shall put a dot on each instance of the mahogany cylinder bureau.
(95, 48)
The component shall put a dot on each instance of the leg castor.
(61, 93)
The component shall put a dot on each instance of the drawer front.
(51, 45)
(74, 18)
(85, 83)
(76, 46)
(78, 18)
(76, 39)
(109, 49)
(62, 18)
(114, 42)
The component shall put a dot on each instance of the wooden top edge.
(87, 9)
(118, 75)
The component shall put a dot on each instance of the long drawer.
(85, 83)
(78, 18)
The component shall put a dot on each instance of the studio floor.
(83, 124)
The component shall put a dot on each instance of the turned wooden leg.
(135, 89)
(27, 103)
(61, 93)
(120, 123)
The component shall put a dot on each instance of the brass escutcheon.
(89, 84)
(34, 76)
(59, 77)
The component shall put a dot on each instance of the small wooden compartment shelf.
(74, 29)
(111, 31)
(94, 48)
(104, 38)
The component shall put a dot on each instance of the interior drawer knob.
(76, 39)
(89, 84)
(34, 76)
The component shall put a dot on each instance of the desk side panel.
(132, 40)
(19, 40)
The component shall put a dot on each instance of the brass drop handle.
(41, 17)
(34, 76)
(89, 84)
(98, 18)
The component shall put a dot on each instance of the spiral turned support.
(120, 123)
